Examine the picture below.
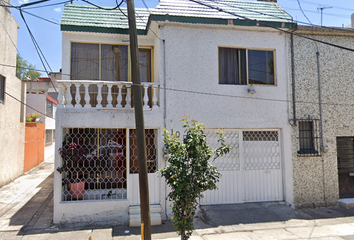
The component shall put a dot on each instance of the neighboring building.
(323, 160)
(216, 67)
(41, 98)
(12, 117)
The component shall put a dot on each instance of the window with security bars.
(99, 159)
(309, 140)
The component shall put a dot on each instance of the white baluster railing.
(77, 95)
(146, 97)
(128, 97)
(99, 95)
(68, 95)
(102, 97)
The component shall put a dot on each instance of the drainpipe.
(164, 107)
(320, 100)
(164, 84)
(293, 78)
(322, 148)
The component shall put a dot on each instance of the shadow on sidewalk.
(37, 214)
(251, 213)
(38, 211)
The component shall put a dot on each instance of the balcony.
(104, 94)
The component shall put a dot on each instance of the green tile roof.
(243, 12)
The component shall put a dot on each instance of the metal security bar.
(261, 150)
(309, 137)
(94, 162)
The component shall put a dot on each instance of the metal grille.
(151, 153)
(309, 138)
(261, 150)
(94, 162)
(230, 161)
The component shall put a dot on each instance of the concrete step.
(135, 219)
(346, 202)
(154, 208)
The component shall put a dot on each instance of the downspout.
(320, 100)
(164, 107)
(293, 78)
(322, 148)
(164, 84)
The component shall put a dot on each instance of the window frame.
(309, 138)
(51, 112)
(129, 59)
(2, 89)
(247, 65)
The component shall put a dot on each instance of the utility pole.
(322, 8)
(139, 122)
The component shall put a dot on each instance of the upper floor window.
(49, 108)
(246, 66)
(107, 62)
(2, 89)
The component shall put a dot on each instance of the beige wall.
(12, 129)
(316, 178)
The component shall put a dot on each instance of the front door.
(345, 158)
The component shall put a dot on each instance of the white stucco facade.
(12, 126)
(185, 64)
(193, 88)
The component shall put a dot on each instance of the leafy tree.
(189, 172)
(25, 70)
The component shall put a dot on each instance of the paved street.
(26, 213)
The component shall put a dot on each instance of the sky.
(47, 33)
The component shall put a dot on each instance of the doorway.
(345, 158)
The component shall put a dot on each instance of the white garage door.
(251, 172)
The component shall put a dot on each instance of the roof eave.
(179, 19)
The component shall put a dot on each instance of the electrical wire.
(49, 5)
(38, 49)
(283, 18)
(13, 43)
(39, 17)
(270, 26)
(103, 8)
(298, 1)
(28, 105)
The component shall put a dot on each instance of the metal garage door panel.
(262, 166)
(230, 187)
(251, 172)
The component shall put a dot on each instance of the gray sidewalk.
(26, 210)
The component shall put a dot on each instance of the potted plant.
(33, 117)
(74, 160)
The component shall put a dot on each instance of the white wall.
(12, 128)
(38, 102)
(191, 65)
(91, 117)
(193, 89)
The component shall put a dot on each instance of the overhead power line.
(28, 105)
(38, 49)
(298, 1)
(48, 5)
(270, 26)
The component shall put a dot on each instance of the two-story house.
(224, 63)
(323, 143)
